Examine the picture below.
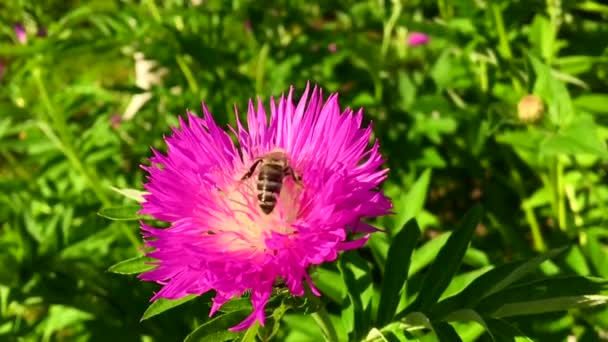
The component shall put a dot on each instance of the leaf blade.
(161, 305)
(396, 270)
(447, 262)
(135, 265)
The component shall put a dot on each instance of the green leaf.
(135, 265)
(447, 262)
(126, 213)
(136, 195)
(161, 305)
(595, 103)
(251, 333)
(502, 331)
(445, 332)
(461, 281)
(554, 93)
(533, 307)
(424, 255)
(330, 283)
(491, 282)
(579, 137)
(412, 203)
(237, 304)
(547, 295)
(357, 277)
(595, 250)
(396, 270)
(9, 272)
(216, 330)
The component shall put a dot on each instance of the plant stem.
(322, 319)
(183, 65)
(388, 27)
(537, 236)
(561, 194)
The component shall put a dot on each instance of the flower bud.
(530, 109)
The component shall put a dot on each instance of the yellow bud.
(530, 109)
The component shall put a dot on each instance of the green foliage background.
(445, 113)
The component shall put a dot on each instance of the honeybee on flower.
(284, 199)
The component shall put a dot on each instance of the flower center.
(241, 222)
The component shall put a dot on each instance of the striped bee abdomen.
(270, 182)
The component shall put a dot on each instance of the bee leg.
(296, 178)
(252, 169)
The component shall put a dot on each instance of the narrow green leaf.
(135, 265)
(251, 333)
(125, 213)
(501, 331)
(412, 203)
(491, 282)
(501, 277)
(445, 332)
(447, 262)
(424, 255)
(136, 195)
(161, 305)
(216, 330)
(547, 295)
(462, 280)
(396, 270)
(357, 277)
(595, 250)
(533, 307)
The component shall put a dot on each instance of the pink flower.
(20, 33)
(417, 38)
(222, 238)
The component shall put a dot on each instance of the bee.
(274, 167)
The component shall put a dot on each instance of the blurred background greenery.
(86, 87)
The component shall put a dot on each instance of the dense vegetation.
(87, 87)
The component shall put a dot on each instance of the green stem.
(322, 319)
(388, 27)
(181, 61)
(537, 236)
(561, 194)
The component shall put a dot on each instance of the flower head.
(284, 199)
(417, 38)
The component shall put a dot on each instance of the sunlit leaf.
(161, 305)
(135, 265)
